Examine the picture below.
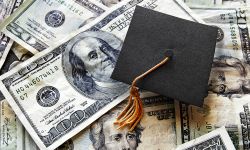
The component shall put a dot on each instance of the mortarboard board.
(151, 34)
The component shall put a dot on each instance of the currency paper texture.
(215, 140)
(7, 7)
(61, 90)
(193, 122)
(16, 55)
(29, 144)
(207, 3)
(13, 134)
(241, 107)
(11, 130)
(37, 30)
(230, 70)
(229, 78)
(155, 131)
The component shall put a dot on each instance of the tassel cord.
(133, 112)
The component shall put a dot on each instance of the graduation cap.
(166, 55)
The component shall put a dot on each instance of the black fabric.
(151, 34)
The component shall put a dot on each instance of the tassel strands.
(133, 112)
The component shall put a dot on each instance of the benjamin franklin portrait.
(89, 60)
(105, 136)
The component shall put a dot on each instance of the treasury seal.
(54, 18)
(47, 96)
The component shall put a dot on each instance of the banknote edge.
(17, 13)
(220, 131)
(5, 53)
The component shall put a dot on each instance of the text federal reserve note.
(38, 24)
(61, 90)
(215, 140)
(7, 7)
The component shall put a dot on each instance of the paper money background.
(166, 123)
(90, 101)
(158, 122)
(37, 31)
(7, 8)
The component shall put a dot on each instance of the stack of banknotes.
(56, 58)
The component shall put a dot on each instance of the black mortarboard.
(150, 37)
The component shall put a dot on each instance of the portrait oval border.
(113, 41)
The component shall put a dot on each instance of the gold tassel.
(133, 112)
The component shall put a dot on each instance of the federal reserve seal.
(54, 18)
(47, 96)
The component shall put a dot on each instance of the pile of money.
(56, 59)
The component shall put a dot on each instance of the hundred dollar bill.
(215, 140)
(242, 110)
(193, 122)
(6, 8)
(155, 131)
(61, 90)
(38, 24)
(11, 130)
